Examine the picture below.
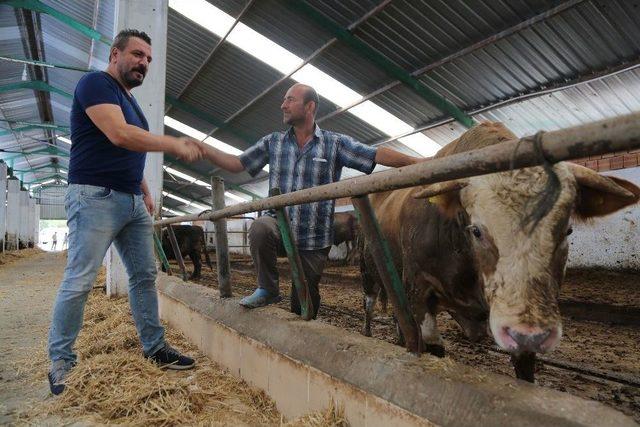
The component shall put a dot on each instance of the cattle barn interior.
(412, 76)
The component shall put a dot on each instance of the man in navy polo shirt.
(304, 156)
(108, 201)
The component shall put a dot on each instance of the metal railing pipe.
(605, 136)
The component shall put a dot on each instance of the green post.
(379, 248)
(297, 273)
(160, 252)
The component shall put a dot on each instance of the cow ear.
(601, 195)
(445, 195)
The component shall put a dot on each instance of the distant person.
(54, 240)
(65, 241)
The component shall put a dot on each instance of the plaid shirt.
(319, 162)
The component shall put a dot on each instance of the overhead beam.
(52, 126)
(49, 166)
(34, 85)
(45, 178)
(42, 64)
(344, 35)
(38, 6)
(33, 45)
(50, 150)
(4, 131)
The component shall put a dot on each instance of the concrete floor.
(27, 291)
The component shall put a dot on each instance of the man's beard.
(131, 80)
(292, 120)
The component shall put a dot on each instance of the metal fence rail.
(617, 134)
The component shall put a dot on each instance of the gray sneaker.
(58, 373)
(259, 298)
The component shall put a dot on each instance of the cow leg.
(346, 258)
(384, 300)
(197, 264)
(399, 335)
(370, 292)
(524, 365)
(431, 338)
(424, 307)
(368, 303)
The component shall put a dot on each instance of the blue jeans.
(96, 217)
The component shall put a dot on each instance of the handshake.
(188, 149)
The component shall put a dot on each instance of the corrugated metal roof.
(61, 46)
(188, 45)
(592, 36)
(344, 12)
(229, 82)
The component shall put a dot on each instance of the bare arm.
(388, 157)
(110, 120)
(221, 159)
(145, 188)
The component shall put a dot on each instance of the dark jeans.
(266, 245)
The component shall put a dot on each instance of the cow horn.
(440, 188)
(592, 179)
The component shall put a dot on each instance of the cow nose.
(531, 339)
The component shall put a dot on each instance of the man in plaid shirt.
(304, 156)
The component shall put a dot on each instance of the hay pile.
(114, 384)
(9, 257)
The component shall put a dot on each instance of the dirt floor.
(590, 347)
(112, 383)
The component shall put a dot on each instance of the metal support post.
(381, 254)
(222, 242)
(176, 251)
(160, 252)
(297, 273)
(3, 204)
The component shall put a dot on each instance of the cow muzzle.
(522, 338)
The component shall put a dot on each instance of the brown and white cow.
(465, 247)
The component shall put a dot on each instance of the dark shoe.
(58, 373)
(259, 298)
(170, 358)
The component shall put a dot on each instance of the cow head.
(521, 265)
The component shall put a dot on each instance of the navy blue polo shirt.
(94, 159)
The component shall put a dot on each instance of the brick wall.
(612, 161)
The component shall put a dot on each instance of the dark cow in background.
(191, 242)
(490, 249)
(345, 229)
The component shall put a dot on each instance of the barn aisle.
(27, 291)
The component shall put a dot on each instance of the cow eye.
(569, 231)
(475, 231)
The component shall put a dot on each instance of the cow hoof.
(366, 332)
(435, 349)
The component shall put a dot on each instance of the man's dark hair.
(310, 94)
(122, 39)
